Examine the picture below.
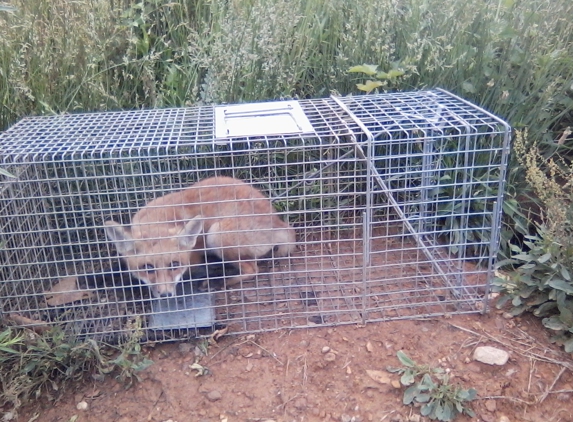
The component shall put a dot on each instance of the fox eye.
(147, 267)
(175, 264)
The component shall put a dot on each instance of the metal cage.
(395, 200)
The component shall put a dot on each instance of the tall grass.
(513, 57)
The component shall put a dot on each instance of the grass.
(515, 58)
(42, 365)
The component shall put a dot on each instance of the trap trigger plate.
(183, 312)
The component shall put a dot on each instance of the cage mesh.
(395, 199)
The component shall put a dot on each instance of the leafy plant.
(537, 277)
(431, 388)
(381, 78)
(42, 365)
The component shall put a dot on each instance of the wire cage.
(395, 201)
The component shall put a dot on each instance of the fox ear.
(190, 232)
(121, 237)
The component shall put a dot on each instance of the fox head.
(159, 262)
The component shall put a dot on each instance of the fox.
(220, 216)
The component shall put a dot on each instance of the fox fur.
(219, 215)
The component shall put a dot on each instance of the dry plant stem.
(514, 399)
(549, 390)
(537, 356)
(240, 343)
(534, 357)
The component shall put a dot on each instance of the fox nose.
(165, 295)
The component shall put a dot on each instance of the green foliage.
(541, 283)
(537, 278)
(6, 173)
(431, 388)
(383, 79)
(35, 365)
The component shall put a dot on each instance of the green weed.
(431, 389)
(43, 365)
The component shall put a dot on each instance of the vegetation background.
(512, 57)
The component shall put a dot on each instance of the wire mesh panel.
(170, 223)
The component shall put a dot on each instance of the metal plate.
(261, 119)
(192, 311)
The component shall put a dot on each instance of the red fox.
(219, 215)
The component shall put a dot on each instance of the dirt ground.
(320, 374)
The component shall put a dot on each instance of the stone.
(490, 405)
(82, 405)
(330, 357)
(214, 395)
(491, 355)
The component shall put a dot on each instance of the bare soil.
(320, 374)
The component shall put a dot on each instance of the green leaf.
(428, 408)
(554, 323)
(6, 173)
(448, 413)
(369, 85)
(544, 258)
(523, 257)
(423, 398)
(409, 394)
(369, 69)
(468, 87)
(565, 273)
(6, 8)
(382, 75)
(562, 285)
(427, 383)
(566, 316)
(568, 345)
(545, 308)
(472, 393)
(439, 411)
(407, 378)
(405, 360)
(395, 73)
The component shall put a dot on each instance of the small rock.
(396, 384)
(83, 405)
(491, 355)
(503, 418)
(369, 347)
(490, 405)
(379, 376)
(487, 417)
(414, 418)
(325, 350)
(330, 357)
(184, 348)
(507, 315)
(303, 343)
(214, 395)
(8, 416)
(300, 403)
(345, 418)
